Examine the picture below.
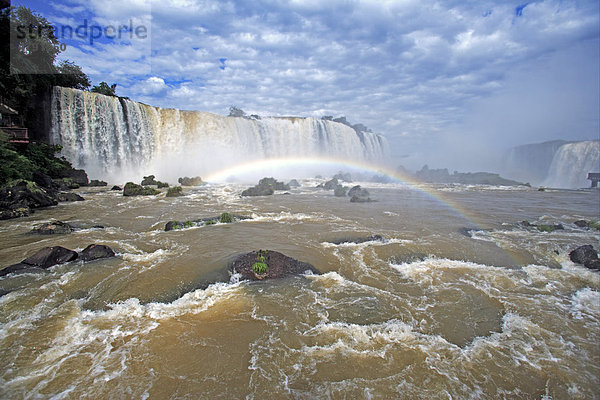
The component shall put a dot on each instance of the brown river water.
(431, 312)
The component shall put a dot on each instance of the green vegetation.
(21, 162)
(225, 218)
(210, 222)
(594, 225)
(105, 89)
(131, 189)
(260, 267)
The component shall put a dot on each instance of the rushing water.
(119, 139)
(429, 313)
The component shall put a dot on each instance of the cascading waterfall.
(572, 163)
(117, 138)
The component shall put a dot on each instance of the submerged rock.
(16, 213)
(51, 228)
(585, 255)
(194, 181)
(360, 239)
(278, 265)
(549, 228)
(131, 189)
(95, 252)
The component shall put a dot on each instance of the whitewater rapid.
(116, 138)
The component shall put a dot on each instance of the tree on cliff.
(105, 89)
(28, 65)
(236, 112)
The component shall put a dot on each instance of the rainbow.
(275, 163)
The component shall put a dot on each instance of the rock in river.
(278, 265)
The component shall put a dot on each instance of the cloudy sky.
(451, 83)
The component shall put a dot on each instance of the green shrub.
(225, 218)
(210, 222)
(260, 266)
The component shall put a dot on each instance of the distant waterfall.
(116, 138)
(572, 163)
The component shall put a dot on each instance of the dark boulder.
(354, 190)
(68, 196)
(278, 265)
(149, 180)
(330, 184)
(25, 194)
(581, 223)
(16, 213)
(77, 175)
(585, 255)
(49, 256)
(119, 188)
(265, 187)
(162, 185)
(65, 184)
(360, 196)
(343, 176)
(224, 218)
(95, 182)
(293, 183)
(3, 292)
(51, 228)
(193, 181)
(549, 228)
(95, 252)
(131, 189)
(42, 180)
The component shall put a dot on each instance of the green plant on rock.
(175, 191)
(210, 222)
(260, 267)
(225, 218)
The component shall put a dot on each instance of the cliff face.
(531, 162)
(557, 163)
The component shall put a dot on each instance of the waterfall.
(572, 163)
(116, 138)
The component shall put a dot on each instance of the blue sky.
(450, 83)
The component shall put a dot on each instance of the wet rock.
(49, 256)
(22, 195)
(354, 190)
(357, 240)
(340, 191)
(95, 252)
(131, 189)
(119, 188)
(468, 232)
(17, 213)
(360, 196)
(293, 183)
(193, 181)
(330, 184)
(52, 228)
(149, 180)
(162, 185)
(16, 268)
(3, 292)
(278, 265)
(95, 182)
(42, 180)
(582, 223)
(175, 191)
(224, 218)
(265, 187)
(78, 176)
(65, 184)
(343, 176)
(585, 255)
(68, 196)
